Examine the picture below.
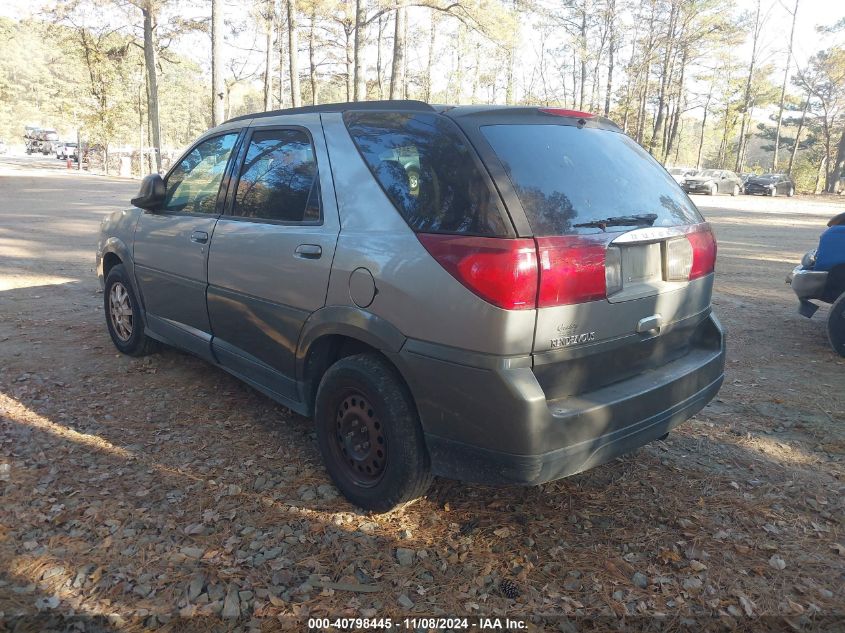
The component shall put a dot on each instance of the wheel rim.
(120, 311)
(358, 440)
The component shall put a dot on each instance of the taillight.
(691, 256)
(501, 271)
(703, 251)
(572, 269)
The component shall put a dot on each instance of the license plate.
(641, 263)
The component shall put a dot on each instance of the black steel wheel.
(359, 441)
(370, 435)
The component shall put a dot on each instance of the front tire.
(735, 191)
(714, 189)
(836, 325)
(791, 192)
(369, 434)
(123, 317)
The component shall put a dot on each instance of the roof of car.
(392, 104)
(411, 105)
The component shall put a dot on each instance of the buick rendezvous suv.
(505, 295)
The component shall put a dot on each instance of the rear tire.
(791, 192)
(369, 434)
(735, 191)
(836, 325)
(123, 317)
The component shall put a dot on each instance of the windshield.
(569, 179)
(769, 177)
(710, 173)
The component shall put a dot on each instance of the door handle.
(200, 237)
(308, 251)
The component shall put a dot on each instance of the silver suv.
(494, 294)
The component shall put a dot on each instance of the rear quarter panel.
(414, 293)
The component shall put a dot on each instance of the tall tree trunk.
(312, 59)
(268, 55)
(703, 127)
(610, 51)
(747, 96)
(293, 57)
(152, 82)
(794, 151)
(430, 65)
(818, 186)
(350, 60)
(664, 77)
(679, 106)
(360, 86)
(838, 171)
(379, 79)
(218, 91)
(783, 88)
(397, 81)
(582, 45)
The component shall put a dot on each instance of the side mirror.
(151, 195)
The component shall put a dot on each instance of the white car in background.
(67, 149)
(680, 173)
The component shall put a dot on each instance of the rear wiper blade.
(642, 219)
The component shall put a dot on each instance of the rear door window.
(568, 179)
(428, 172)
(278, 178)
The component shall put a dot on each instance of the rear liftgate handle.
(650, 325)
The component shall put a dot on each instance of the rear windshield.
(569, 178)
(427, 171)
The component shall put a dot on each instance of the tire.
(791, 192)
(836, 325)
(714, 189)
(130, 340)
(773, 192)
(735, 191)
(369, 434)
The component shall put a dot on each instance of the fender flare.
(347, 321)
(116, 246)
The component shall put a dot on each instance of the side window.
(427, 171)
(279, 178)
(193, 184)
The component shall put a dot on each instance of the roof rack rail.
(395, 104)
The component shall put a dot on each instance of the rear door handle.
(308, 251)
(200, 237)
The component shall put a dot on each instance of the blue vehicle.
(821, 277)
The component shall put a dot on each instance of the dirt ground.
(163, 493)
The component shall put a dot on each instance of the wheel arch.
(335, 332)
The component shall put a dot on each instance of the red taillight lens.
(501, 271)
(572, 269)
(703, 251)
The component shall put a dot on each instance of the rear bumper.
(494, 424)
(807, 284)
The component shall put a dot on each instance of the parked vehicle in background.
(3, 148)
(821, 277)
(770, 185)
(490, 322)
(31, 141)
(67, 149)
(48, 139)
(713, 181)
(681, 173)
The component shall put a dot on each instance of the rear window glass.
(568, 179)
(427, 171)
